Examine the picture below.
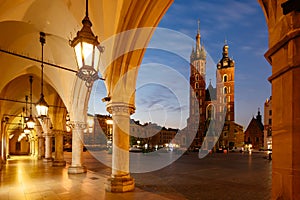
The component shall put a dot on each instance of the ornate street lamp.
(26, 129)
(30, 122)
(87, 50)
(42, 106)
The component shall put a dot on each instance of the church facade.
(211, 123)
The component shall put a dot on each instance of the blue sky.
(162, 94)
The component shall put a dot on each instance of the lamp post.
(42, 106)
(25, 119)
(87, 51)
(30, 122)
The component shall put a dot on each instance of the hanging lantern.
(87, 51)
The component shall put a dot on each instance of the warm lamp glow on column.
(87, 51)
(42, 106)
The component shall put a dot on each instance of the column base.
(59, 163)
(119, 183)
(77, 169)
(47, 160)
(41, 157)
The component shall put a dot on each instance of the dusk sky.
(162, 92)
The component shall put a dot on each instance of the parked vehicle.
(238, 149)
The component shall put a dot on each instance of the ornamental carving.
(77, 125)
(121, 109)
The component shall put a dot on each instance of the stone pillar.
(47, 126)
(32, 145)
(48, 148)
(6, 145)
(59, 150)
(120, 180)
(3, 147)
(41, 146)
(283, 55)
(36, 147)
(76, 166)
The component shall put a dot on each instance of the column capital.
(77, 125)
(57, 132)
(120, 108)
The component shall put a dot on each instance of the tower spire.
(198, 45)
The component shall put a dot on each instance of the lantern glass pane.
(87, 53)
(30, 124)
(78, 54)
(96, 58)
(42, 110)
(26, 131)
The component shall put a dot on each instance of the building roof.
(256, 123)
(211, 93)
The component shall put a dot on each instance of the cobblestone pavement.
(217, 176)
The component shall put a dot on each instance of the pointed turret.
(199, 51)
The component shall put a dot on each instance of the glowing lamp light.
(42, 107)
(109, 121)
(30, 122)
(87, 51)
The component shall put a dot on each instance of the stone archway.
(283, 55)
(12, 114)
(116, 17)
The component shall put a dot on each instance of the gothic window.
(196, 85)
(225, 78)
(197, 77)
(224, 100)
(228, 107)
(18, 146)
(197, 66)
(228, 99)
(197, 94)
(270, 121)
(210, 112)
(228, 89)
(225, 90)
(270, 112)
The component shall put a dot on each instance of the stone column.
(47, 126)
(59, 150)
(283, 54)
(36, 147)
(48, 148)
(41, 146)
(3, 147)
(120, 180)
(32, 145)
(76, 166)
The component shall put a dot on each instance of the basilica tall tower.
(225, 83)
(197, 90)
